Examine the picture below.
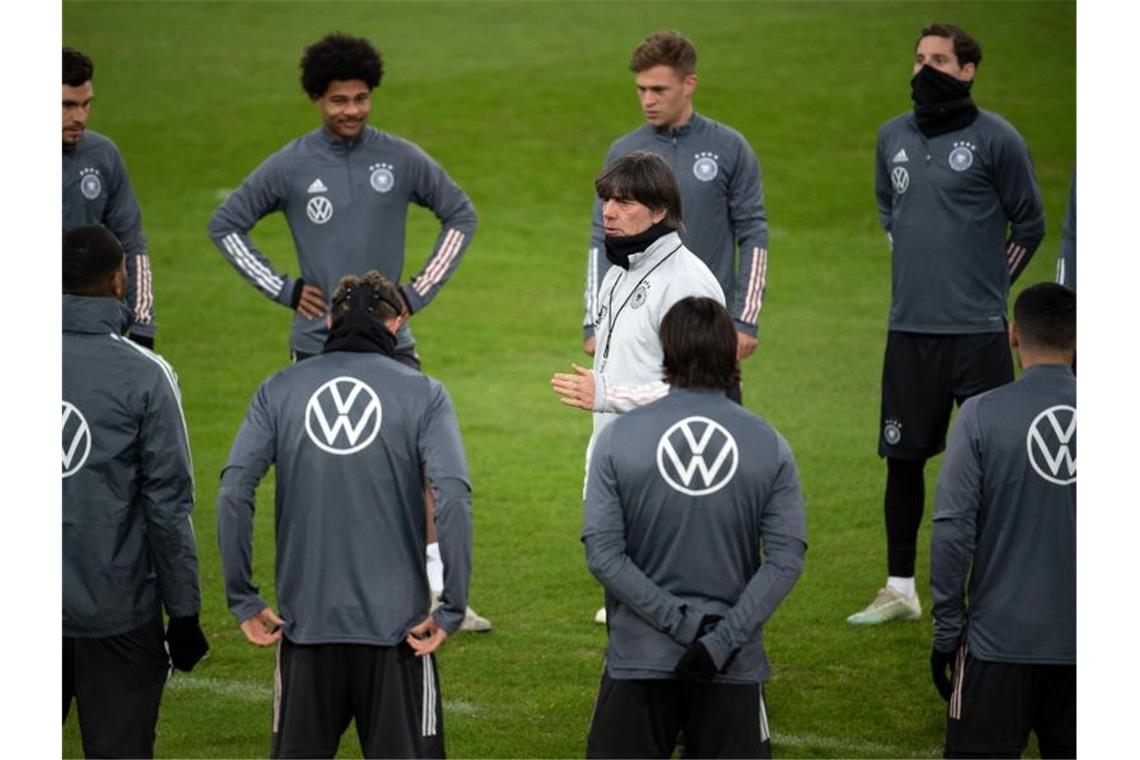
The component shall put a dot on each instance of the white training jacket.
(631, 305)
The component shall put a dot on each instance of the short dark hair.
(667, 48)
(1046, 317)
(339, 57)
(966, 48)
(646, 178)
(90, 255)
(380, 295)
(699, 341)
(77, 68)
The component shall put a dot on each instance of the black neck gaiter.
(360, 330)
(619, 249)
(942, 102)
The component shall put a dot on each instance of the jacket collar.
(683, 131)
(84, 314)
(332, 142)
(656, 250)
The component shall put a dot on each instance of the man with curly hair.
(344, 189)
(97, 190)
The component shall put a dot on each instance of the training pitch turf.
(519, 102)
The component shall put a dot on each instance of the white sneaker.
(600, 616)
(888, 605)
(472, 620)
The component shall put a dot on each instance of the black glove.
(146, 341)
(942, 671)
(186, 642)
(708, 622)
(696, 664)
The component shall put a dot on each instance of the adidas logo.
(900, 158)
(319, 187)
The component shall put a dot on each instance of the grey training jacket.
(693, 507)
(128, 489)
(352, 435)
(97, 190)
(1005, 518)
(722, 199)
(964, 216)
(346, 204)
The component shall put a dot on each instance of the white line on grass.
(846, 746)
(249, 691)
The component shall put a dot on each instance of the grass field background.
(519, 102)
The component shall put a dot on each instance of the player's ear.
(1014, 341)
(690, 83)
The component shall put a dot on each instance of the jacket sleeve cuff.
(247, 608)
(290, 293)
(599, 391)
(689, 628)
(746, 328)
(412, 308)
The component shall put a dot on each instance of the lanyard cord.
(613, 316)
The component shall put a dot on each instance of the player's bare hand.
(745, 345)
(576, 389)
(426, 637)
(263, 629)
(589, 345)
(312, 303)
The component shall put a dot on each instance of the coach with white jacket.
(641, 214)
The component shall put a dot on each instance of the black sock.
(903, 505)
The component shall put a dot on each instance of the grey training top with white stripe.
(722, 199)
(693, 507)
(1005, 518)
(352, 436)
(97, 190)
(964, 216)
(346, 204)
(1067, 260)
(128, 486)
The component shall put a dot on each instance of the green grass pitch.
(519, 100)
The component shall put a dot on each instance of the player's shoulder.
(903, 122)
(99, 147)
(997, 127)
(638, 138)
(93, 140)
(721, 132)
(392, 145)
(146, 366)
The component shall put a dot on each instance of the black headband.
(364, 296)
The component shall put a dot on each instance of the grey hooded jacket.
(128, 489)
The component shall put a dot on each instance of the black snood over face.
(619, 249)
(942, 102)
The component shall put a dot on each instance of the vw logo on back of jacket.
(343, 416)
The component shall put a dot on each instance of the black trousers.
(392, 695)
(116, 682)
(643, 718)
(995, 705)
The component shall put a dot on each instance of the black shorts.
(392, 695)
(923, 375)
(406, 356)
(995, 705)
(116, 682)
(643, 718)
